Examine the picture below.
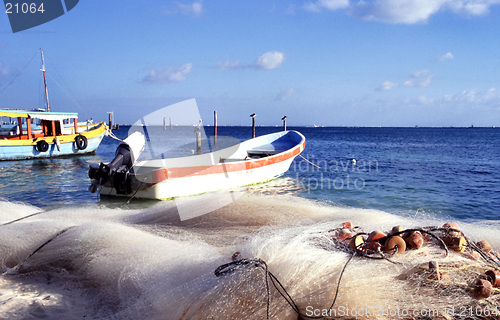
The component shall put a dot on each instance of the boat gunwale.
(15, 141)
(156, 174)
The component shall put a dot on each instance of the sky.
(320, 62)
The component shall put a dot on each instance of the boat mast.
(45, 81)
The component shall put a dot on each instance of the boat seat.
(259, 153)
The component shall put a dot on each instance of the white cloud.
(472, 7)
(284, 95)
(475, 96)
(386, 86)
(419, 79)
(229, 64)
(416, 11)
(270, 60)
(397, 11)
(317, 6)
(195, 8)
(169, 74)
(290, 10)
(446, 56)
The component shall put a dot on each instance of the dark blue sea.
(451, 172)
(65, 253)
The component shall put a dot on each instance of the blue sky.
(324, 62)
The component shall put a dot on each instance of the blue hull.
(31, 152)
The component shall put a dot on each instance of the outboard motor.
(117, 171)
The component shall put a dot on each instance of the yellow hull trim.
(99, 129)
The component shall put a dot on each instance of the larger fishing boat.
(50, 136)
(38, 133)
(256, 160)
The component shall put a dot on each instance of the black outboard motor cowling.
(117, 171)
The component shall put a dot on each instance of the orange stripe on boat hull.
(162, 174)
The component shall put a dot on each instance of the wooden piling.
(110, 121)
(215, 128)
(284, 123)
(198, 141)
(253, 124)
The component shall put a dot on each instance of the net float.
(484, 246)
(458, 244)
(481, 288)
(452, 225)
(414, 240)
(344, 234)
(376, 236)
(395, 243)
(347, 225)
(236, 256)
(373, 246)
(447, 240)
(356, 242)
(494, 277)
(396, 229)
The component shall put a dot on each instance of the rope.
(135, 192)
(70, 95)
(22, 218)
(113, 136)
(259, 263)
(18, 74)
(19, 265)
(309, 162)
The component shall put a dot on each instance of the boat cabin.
(27, 125)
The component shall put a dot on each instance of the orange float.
(395, 243)
(414, 240)
(458, 244)
(347, 225)
(494, 277)
(482, 288)
(356, 242)
(376, 236)
(344, 234)
(373, 246)
(484, 246)
(452, 225)
(396, 229)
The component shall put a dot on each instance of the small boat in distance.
(43, 134)
(256, 160)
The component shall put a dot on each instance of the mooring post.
(198, 141)
(215, 128)
(253, 124)
(110, 121)
(284, 123)
(198, 136)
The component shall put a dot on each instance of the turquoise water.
(441, 171)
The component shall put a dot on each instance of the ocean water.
(82, 256)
